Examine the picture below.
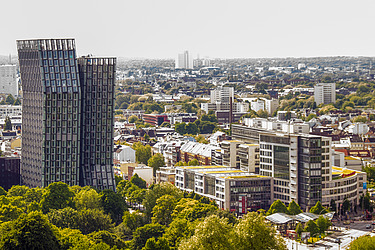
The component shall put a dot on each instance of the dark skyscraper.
(67, 127)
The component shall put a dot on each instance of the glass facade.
(309, 172)
(54, 109)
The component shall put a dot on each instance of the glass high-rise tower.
(67, 118)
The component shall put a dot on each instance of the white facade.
(358, 128)
(8, 80)
(325, 93)
(124, 154)
(222, 94)
(10, 110)
(146, 173)
(184, 61)
(286, 127)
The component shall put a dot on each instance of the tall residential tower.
(67, 127)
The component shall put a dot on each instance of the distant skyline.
(214, 29)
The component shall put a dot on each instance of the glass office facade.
(53, 111)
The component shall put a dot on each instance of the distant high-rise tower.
(67, 127)
(8, 80)
(325, 93)
(184, 61)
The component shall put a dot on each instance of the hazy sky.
(226, 29)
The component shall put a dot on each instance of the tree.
(132, 119)
(294, 208)
(156, 162)
(134, 220)
(310, 116)
(17, 102)
(113, 204)
(57, 196)
(64, 218)
(363, 242)
(333, 205)
(192, 209)
(360, 118)
(312, 228)
(165, 125)
(323, 224)
(10, 99)
(277, 207)
(193, 162)
(29, 231)
(212, 233)
(2, 191)
(142, 234)
(142, 153)
(8, 124)
(252, 232)
(262, 113)
(206, 127)
(318, 209)
(139, 182)
(346, 205)
(87, 199)
(17, 190)
(91, 220)
(158, 191)
(107, 238)
(191, 128)
(299, 229)
(152, 244)
(178, 230)
(162, 211)
(180, 128)
(9, 213)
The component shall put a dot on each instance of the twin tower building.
(67, 116)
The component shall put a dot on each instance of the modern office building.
(67, 125)
(184, 61)
(299, 163)
(8, 80)
(231, 189)
(325, 93)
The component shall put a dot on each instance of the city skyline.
(215, 29)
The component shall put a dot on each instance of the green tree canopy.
(10, 99)
(2, 191)
(323, 224)
(312, 228)
(156, 162)
(213, 233)
(252, 232)
(142, 153)
(91, 220)
(294, 208)
(364, 242)
(133, 119)
(360, 118)
(29, 231)
(277, 207)
(113, 204)
(87, 199)
(142, 234)
(57, 196)
(162, 211)
(318, 209)
(17, 190)
(139, 182)
(8, 124)
(178, 230)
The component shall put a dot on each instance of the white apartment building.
(8, 80)
(274, 125)
(184, 61)
(222, 94)
(325, 93)
(10, 111)
(237, 107)
(262, 103)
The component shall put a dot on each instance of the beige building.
(249, 157)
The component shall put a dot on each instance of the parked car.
(373, 231)
(368, 226)
(347, 222)
(373, 223)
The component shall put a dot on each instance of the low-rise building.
(165, 174)
(233, 190)
(249, 157)
(345, 184)
(9, 172)
(200, 151)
